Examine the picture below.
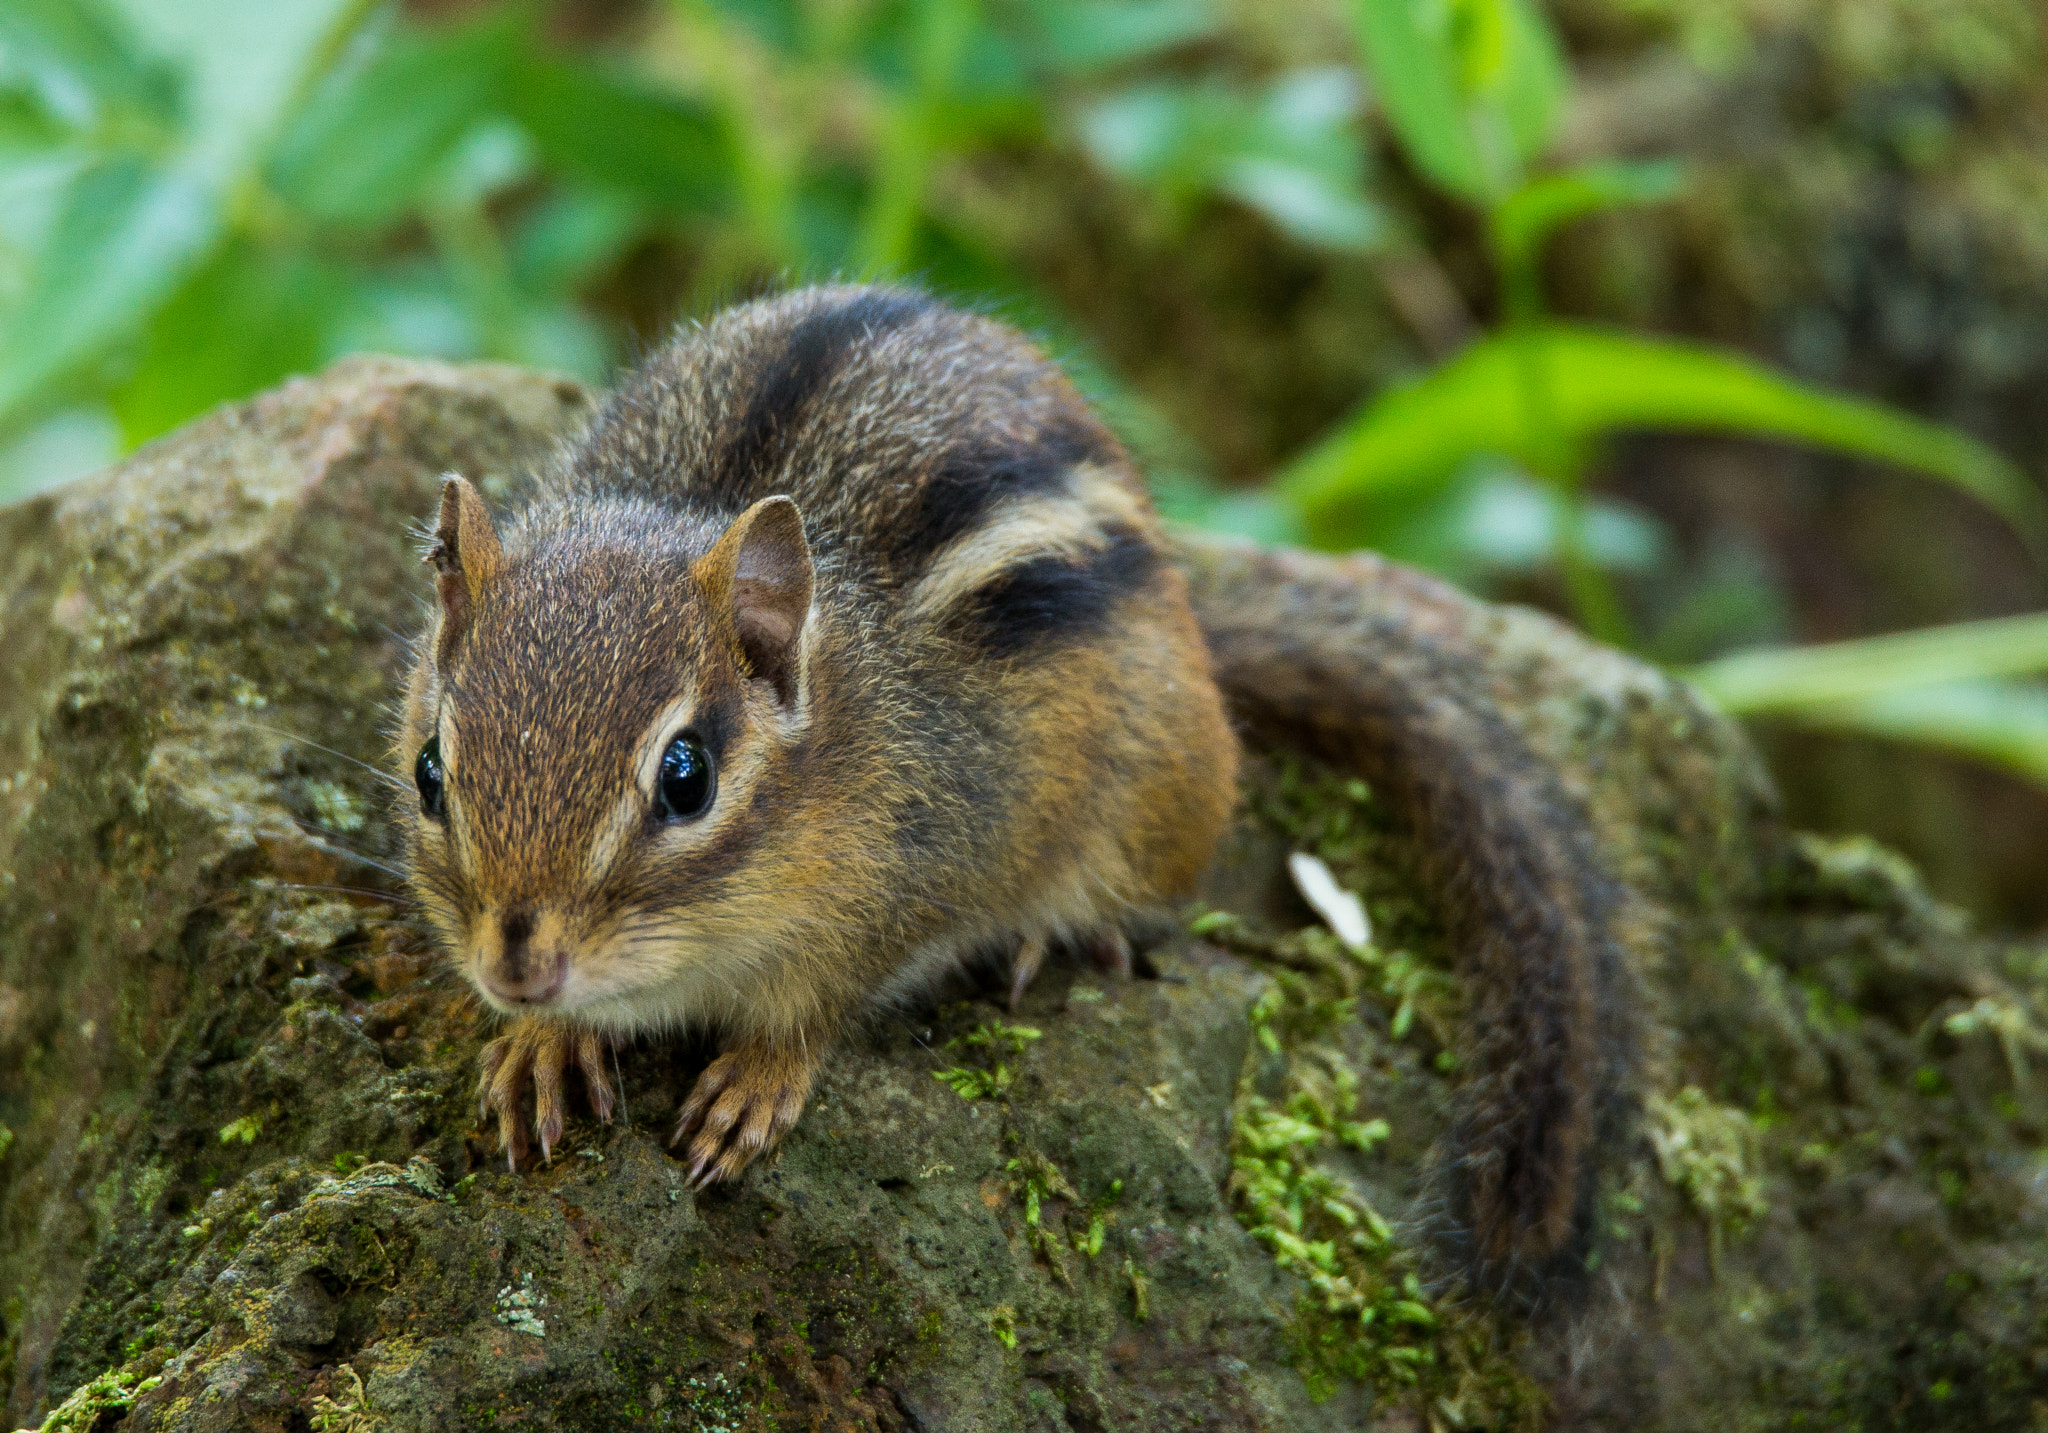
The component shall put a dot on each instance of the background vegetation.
(1483, 284)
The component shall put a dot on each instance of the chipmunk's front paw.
(542, 1050)
(742, 1106)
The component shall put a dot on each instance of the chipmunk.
(845, 646)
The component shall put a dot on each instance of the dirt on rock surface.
(242, 1186)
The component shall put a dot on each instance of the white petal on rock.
(1342, 911)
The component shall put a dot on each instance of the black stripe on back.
(1058, 599)
(816, 346)
(974, 476)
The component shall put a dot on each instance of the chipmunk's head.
(603, 723)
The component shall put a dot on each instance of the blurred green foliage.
(196, 201)
(199, 200)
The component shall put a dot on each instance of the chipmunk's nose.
(521, 971)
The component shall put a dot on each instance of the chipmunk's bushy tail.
(1356, 661)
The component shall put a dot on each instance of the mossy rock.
(244, 1186)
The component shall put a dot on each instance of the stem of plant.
(766, 157)
(1592, 592)
(482, 271)
(1557, 460)
(909, 140)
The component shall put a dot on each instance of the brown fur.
(928, 744)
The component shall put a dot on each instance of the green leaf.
(378, 125)
(1413, 58)
(79, 64)
(1533, 79)
(561, 338)
(1076, 36)
(35, 190)
(1494, 519)
(26, 130)
(1288, 152)
(125, 233)
(1829, 674)
(1472, 88)
(778, 22)
(1302, 167)
(571, 238)
(616, 133)
(135, 222)
(1525, 221)
(2002, 724)
(1730, 596)
(912, 120)
(243, 322)
(410, 309)
(246, 64)
(493, 156)
(1531, 393)
(64, 446)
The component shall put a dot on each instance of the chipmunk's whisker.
(375, 895)
(377, 771)
(327, 841)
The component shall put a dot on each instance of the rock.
(244, 1188)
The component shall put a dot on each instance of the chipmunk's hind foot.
(540, 1050)
(742, 1105)
(1109, 951)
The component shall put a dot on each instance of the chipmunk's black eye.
(684, 787)
(426, 774)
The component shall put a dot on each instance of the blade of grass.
(1778, 679)
(1601, 382)
(2003, 724)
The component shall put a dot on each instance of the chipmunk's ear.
(760, 571)
(467, 558)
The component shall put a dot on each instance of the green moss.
(113, 1392)
(994, 1032)
(1034, 1179)
(1141, 1291)
(975, 1084)
(1002, 1322)
(1708, 1153)
(1362, 1315)
(148, 1185)
(350, 1413)
(337, 807)
(106, 1199)
(2009, 1022)
(992, 1078)
(244, 1129)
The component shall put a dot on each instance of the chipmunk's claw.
(1024, 969)
(1112, 954)
(590, 1060)
(539, 1051)
(742, 1106)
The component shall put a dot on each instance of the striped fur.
(993, 724)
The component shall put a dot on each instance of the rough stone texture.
(243, 1160)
